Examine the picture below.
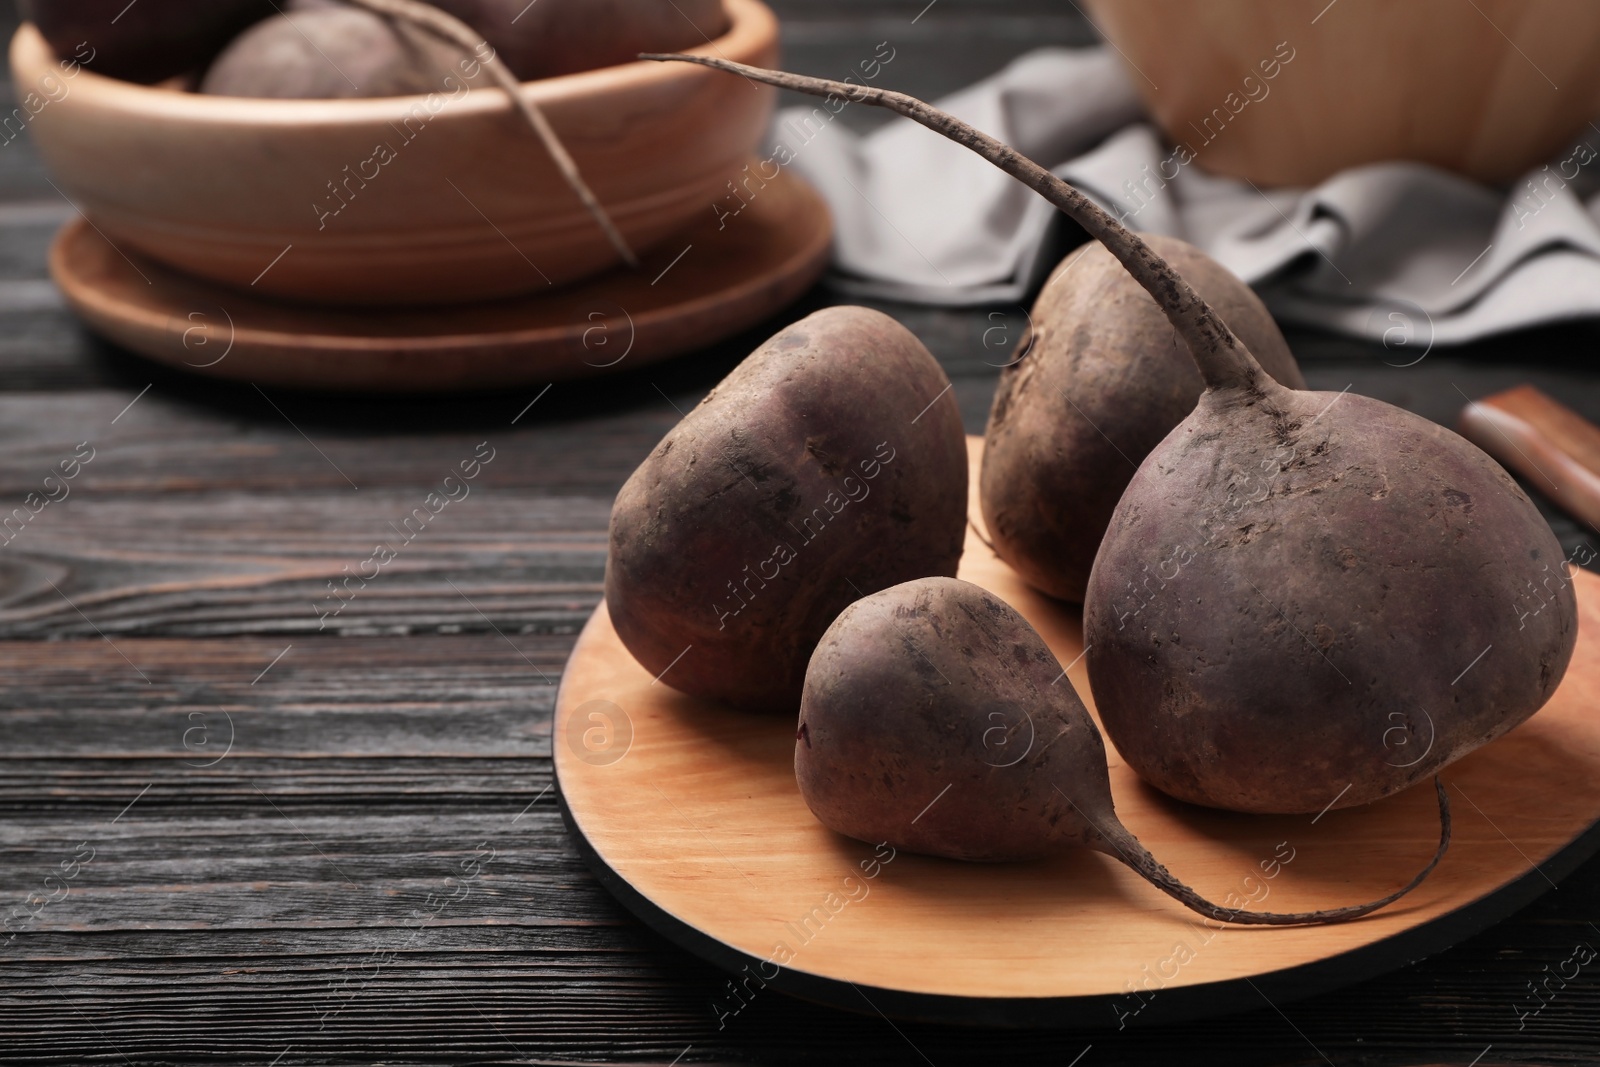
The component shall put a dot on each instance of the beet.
(143, 42)
(831, 463)
(332, 51)
(1293, 577)
(555, 37)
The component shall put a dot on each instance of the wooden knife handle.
(1556, 450)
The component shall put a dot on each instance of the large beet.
(551, 37)
(1105, 377)
(1303, 592)
(830, 464)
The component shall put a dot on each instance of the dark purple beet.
(830, 464)
(554, 37)
(327, 51)
(1292, 590)
(145, 41)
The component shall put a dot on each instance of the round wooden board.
(689, 813)
(722, 275)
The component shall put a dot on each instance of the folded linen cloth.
(1401, 253)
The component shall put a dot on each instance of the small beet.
(1102, 379)
(831, 463)
(144, 41)
(326, 52)
(1295, 585)
(936, 719)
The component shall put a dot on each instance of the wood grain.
(172, 442)
(1347, 93)
(227, 564)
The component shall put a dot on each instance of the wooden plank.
(355, 697)
(241, 439)
(618, 999)
(209, 922)
(212, 934)
(232, 563)
(459, 720)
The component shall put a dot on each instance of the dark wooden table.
(263, 840)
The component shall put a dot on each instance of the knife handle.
(1556, 450)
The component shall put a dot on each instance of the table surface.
(266, 837)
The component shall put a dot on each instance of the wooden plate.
(689, 813)
(713, 281)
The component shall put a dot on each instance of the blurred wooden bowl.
(465, 205)
(1489, 88)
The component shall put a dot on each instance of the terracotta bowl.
(401, 200)
(1489, 89)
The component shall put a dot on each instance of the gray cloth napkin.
(1401, 253)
